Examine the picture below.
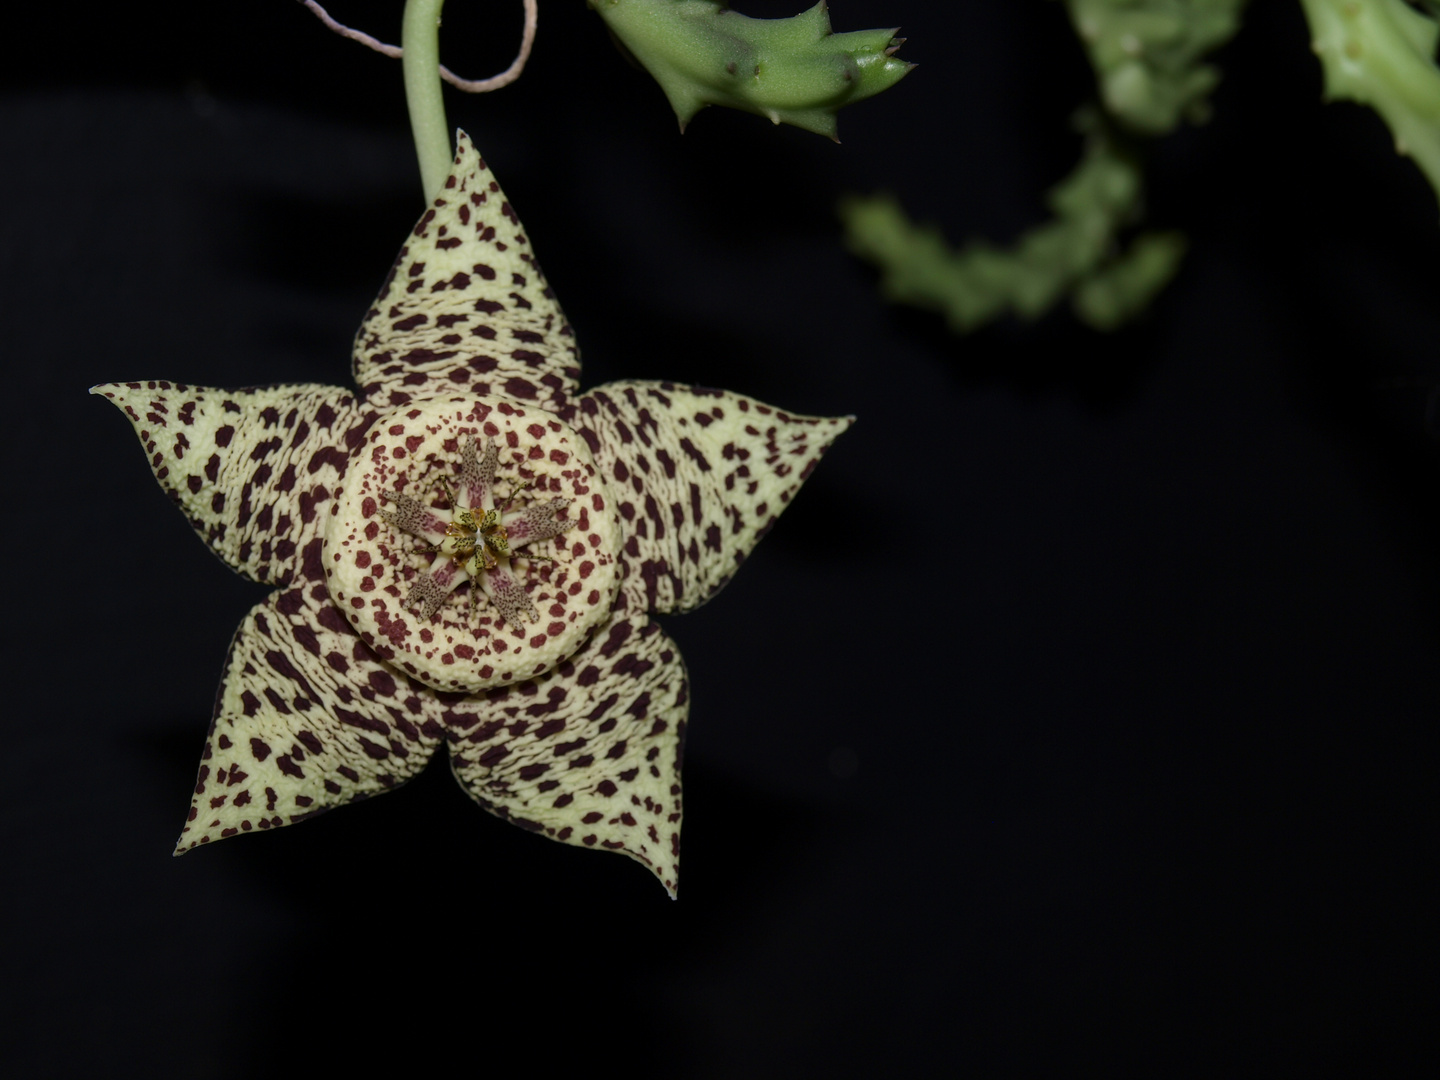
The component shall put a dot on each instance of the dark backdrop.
(1078, 719)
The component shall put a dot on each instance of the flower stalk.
(420, 40)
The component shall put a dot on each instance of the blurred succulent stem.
(1078, 252)
(1381, 53)
(420, 39)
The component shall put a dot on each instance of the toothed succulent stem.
(1077, 253)
(1381, 53)
(1147, 56)
(420, 40)
(792, 71)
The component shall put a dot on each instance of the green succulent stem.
(792, 71)
(1077, 252)
(1147, 56)
(1380, 53)
(420, 38)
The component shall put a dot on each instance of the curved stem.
(420, 40)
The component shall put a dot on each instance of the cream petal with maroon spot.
(307, 719)
(588, 754)
(371, 566)
(254, 471)
(465, 307)
(698, 477)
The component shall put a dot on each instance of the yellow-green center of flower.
(476, 544)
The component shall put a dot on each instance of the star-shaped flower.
(467, 457)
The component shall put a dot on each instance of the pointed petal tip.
(837, 426)
(112, 390)
(121, 392)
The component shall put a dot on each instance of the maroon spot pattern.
(319, 735)
(699, 476)
(603, 752)
(415, 609)
(254, 471)
(474, 316)
(310, 715)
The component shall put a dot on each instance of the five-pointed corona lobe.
(467, 456)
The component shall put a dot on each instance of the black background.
(1078, 719)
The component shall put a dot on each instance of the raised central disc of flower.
(483, 492)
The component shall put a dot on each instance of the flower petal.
(700, 476)
(466, 308)
(590, 753)
(307, 719)
(253, 470)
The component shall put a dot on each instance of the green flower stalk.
(420, 53)
(793, 71)
(1380, 53)
(420, 38)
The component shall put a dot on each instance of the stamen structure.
(478, 541)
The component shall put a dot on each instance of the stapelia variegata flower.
(466, 551)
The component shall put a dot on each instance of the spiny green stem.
(1147, 56)
(791, 71)
(1381, 53)
(420, 40)
(1077, 252)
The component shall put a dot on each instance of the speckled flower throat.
(534, 583)
(467, 552)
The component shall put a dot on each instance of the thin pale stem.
(420, 40)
